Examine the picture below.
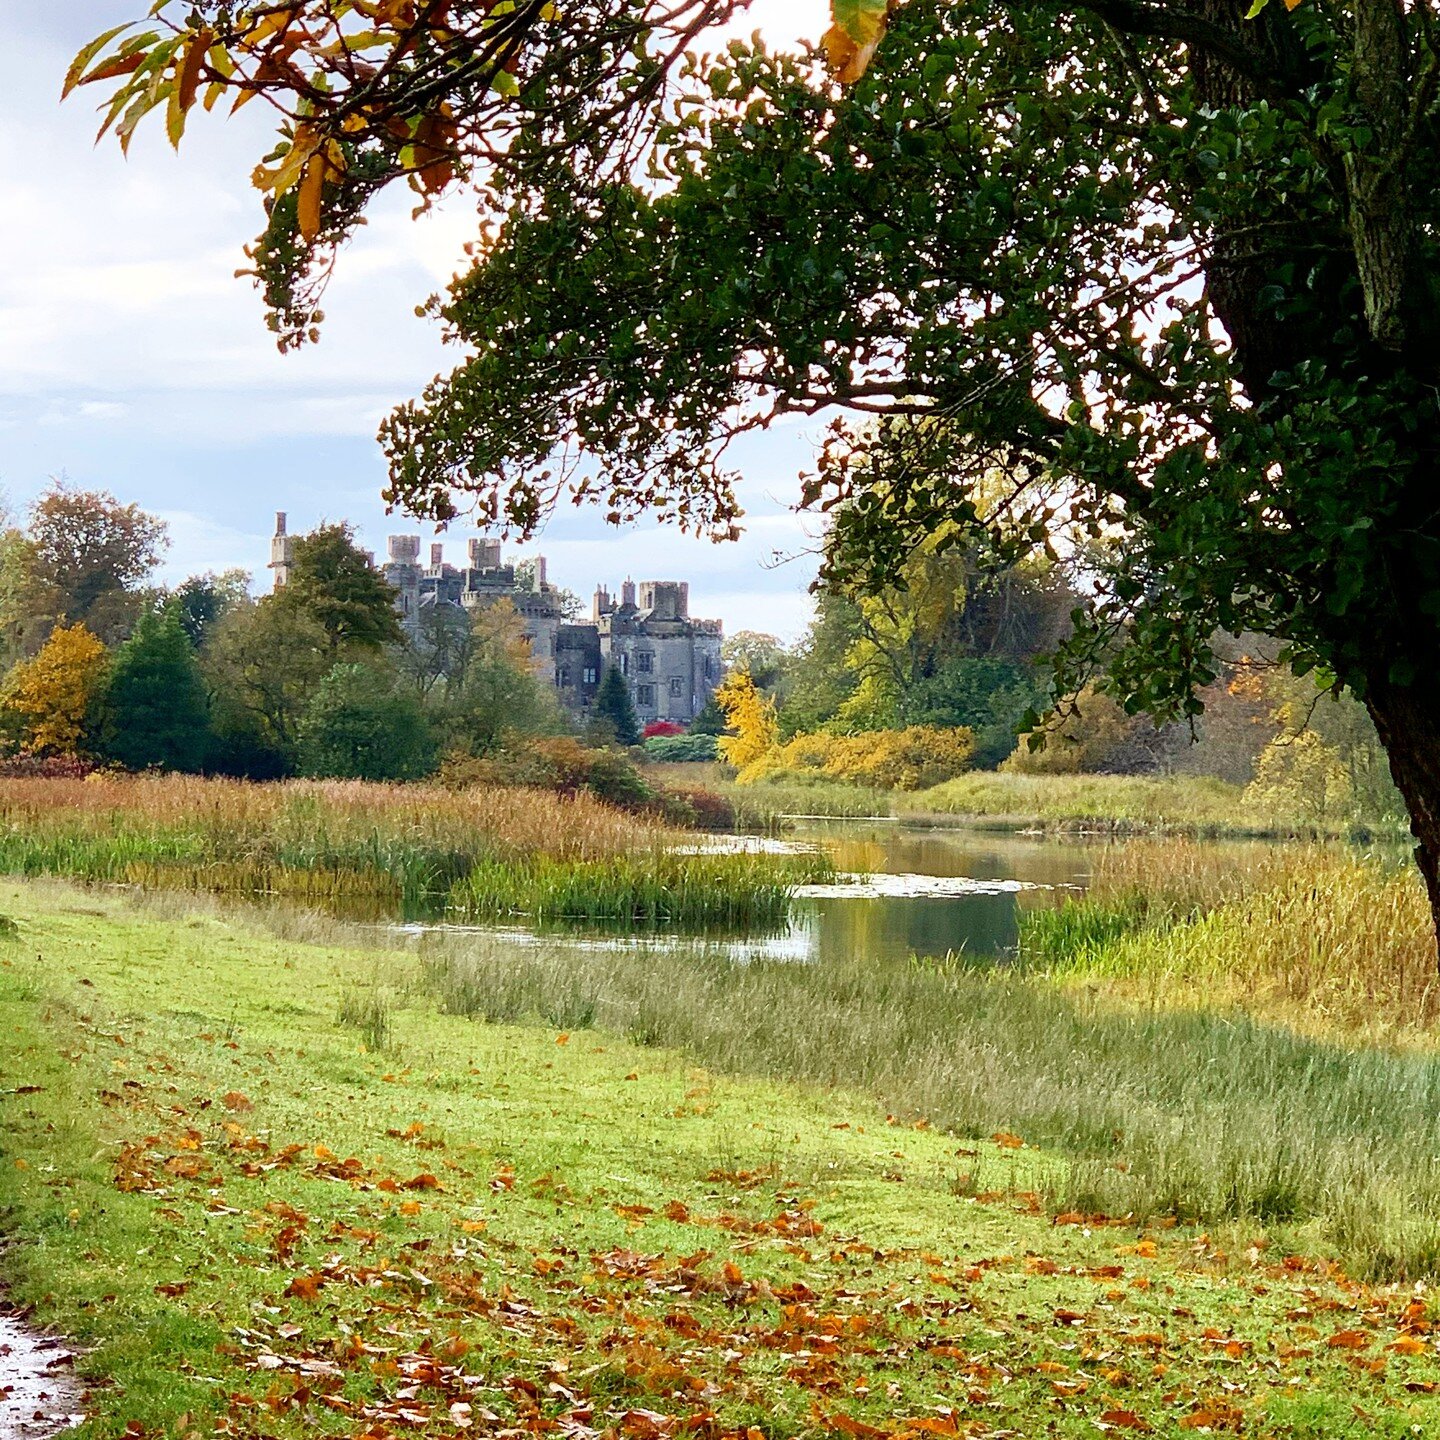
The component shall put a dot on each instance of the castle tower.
(282, 551)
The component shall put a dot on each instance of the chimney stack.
(627, 594)
(437, 556)
(279, 522)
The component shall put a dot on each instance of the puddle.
(39, 1394)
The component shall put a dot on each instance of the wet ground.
(39, 1394)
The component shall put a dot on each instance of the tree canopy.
(1169, 267)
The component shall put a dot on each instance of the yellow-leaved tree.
(52, 694)
(750, 715)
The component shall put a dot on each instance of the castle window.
(592, 675)
(677, 688)
(624, 664)
(565, 677)
(645, 695)
(646, 662)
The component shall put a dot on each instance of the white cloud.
(131, 356)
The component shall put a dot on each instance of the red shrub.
(661, 727)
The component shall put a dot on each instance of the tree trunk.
(1408, 719)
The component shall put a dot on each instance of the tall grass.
(1209, 1116)
(693, 891)
(1317, 938)
(380, 849)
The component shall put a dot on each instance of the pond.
(902, 892)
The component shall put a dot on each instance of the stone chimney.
(281, 551)
(541, 572)
(603, 604)
(437, 556)
(627, 594)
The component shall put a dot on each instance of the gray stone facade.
(670, 661)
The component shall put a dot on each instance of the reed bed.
(1319, 938)
(691, 891)
(377, 849)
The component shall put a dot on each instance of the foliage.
(682, 749)
(263, 663)
(203, 600)
(750, 721)
(613, 709)
(1190, 278)
(360, 726)
(762, 656)
(915, 758)
(1325, 761)
(55, 693)
(661, 729)
(493, 694)
(156, 711)
(333, 583)
(560, 763)
(89, 554)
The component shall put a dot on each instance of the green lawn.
(265, 1227)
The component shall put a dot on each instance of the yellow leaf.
(312, 192)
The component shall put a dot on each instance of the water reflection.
(983, 924)
(991, 879)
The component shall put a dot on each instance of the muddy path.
(39, 1394)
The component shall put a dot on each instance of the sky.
(132, 360)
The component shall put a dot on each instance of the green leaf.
(862, 20)
(81, 62)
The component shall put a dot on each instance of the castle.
(670, 661)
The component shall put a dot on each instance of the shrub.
(911, 759)
(558, 763)
(358, 727)
(682, 749)
(661, 729)
(46, 767)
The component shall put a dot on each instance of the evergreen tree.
(360, 727)
(613, 707)
(156, 710)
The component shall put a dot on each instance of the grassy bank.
(262, 1224)
(381, 849)
(1122, 804)
(1116, 804)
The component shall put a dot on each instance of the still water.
(902, 892)
(907, 914)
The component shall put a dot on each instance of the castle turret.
(484, 554)
(282, 551)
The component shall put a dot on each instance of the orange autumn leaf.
(1349, 1340)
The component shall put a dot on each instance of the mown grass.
(1210, 1115)
(253, 1220)
(378, 850)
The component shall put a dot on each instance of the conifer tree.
(614, 708)
(156, 710)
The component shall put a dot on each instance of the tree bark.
(1408, 720)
